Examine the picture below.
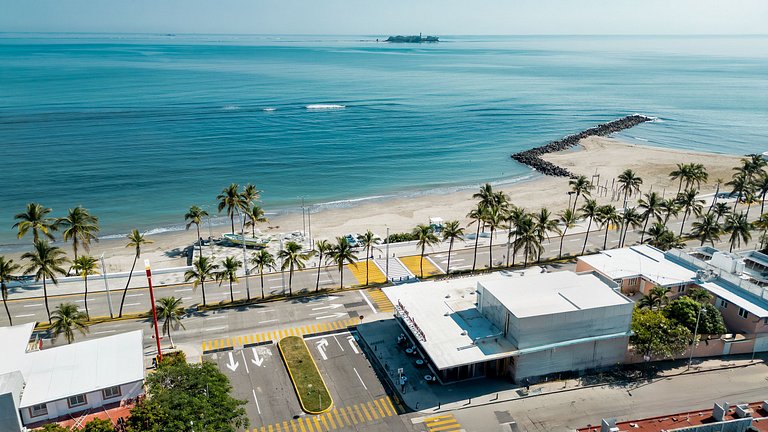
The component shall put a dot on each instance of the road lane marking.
(132, 304)
(215, 317)
(183, 290)
(215, 328)
(245, 363)
(267, 321)
(338, 343)
(258, 408)
(134, 295)
(34, 305)
(105, 331)
(23, 316)
(358, 377)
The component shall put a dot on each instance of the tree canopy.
(655, 335)
(684, 311)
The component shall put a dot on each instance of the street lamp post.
(282, 273)
(695, 333)
(386, 271)
(148, 270)
(245, 258)
(106, 286)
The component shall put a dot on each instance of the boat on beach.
(249, 242)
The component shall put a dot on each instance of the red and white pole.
(154, 310)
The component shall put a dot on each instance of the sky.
(386, 17)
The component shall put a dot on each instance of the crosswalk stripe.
(301, 424)
(442, 422)
(440, 417)
(344, 416)
(330, 420)
(351, 415)
(323, 421)
(453, 427)
(338, 418)
(285, 426)
(378, 407)
(365, 410)
(388, 406)
(373, 412)
(317, 424)
(359, 414)
(279, 429)
(229, 342)
(270, 428)
(263, 429)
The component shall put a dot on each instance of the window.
(681, 289)
(722, 303)
(743, 313)
(38, 410)
(633, 281)
(77, 400)
(111, 392)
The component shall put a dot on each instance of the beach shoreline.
(605, 157)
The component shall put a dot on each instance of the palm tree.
(690, 203)
(607, 216)
(203, 269)
(761, 188)
(322, 249)
(170, 312)
(293, 258)
(255, 215)
(545, 224)
(7, 267)
(228, 272)
(342, 253)
(568, 219)
(250, 195)
(135, 240)
(739, 229)
(629, 183)
(80, 226)
(514, 216)
(662, 237)
(697, 176)
(368, 241)
(231, 200)
(761, 223)
(656, 298)
(749, 199)
(195, 216)
(494, 219)
(630, 218)
(739, 184)
(527, 239)
(669, 208)
(706, 229)
(720, 210)
(425, 236)
(590, 210)
(35, 218)
(580, 186)
(478, 216)
(263, 259)
(451, 231)
(682, 172)
(45, 262)
(85, 266)
(651, 207)
(66, 319)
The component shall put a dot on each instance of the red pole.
(154, 310)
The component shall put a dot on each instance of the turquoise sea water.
(139, 127)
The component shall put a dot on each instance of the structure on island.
(412, 39)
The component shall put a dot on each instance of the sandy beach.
(605, 157)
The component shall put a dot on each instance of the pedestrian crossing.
(442, 423)
(413, 264)
(380, 300)
(375, 275)
(274, 336)
(337, 419)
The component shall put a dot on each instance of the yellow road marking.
(331, 421)
(317, 424)
(309, 425)
(293, 426)
(338, 419)
(373, 412)
(444, 416)
(277, 426)
(301, 425)
(322, 420)
(365, 410)
(270, 428)
(285, 426)
(359, 414)
(381, 411)
(351, 415)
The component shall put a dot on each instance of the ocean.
(137, 128)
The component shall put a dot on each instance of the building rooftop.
(15, 342)
(643, 260)
(554, 293)
(455, 332)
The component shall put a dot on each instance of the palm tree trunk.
(680, 186)
(261, 275)
(490, 251)
(605, 238)
(562, 237)
(509, 244)
(747, 213)
(645, 225)
(170, 337)
(421, 261)
(738, 198)
(575, 200)
(682, 225)
(199, 239)
(448, 267)
(341, 275)
(231, 294)
(202, 288)
(232, 221)
(477, 238)
(367, 258)
(5, 303)
(290, 280)
(319, 266)
(85, 298)
(762, 203)
(45, 293)
(586, 236)
(125, 291)
(253, 228)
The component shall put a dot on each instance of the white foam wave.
(113, 236)
(161, 230)
(268, 109)
(640, 139)
(325, 107)
(230, 107)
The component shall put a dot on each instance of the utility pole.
(303, 220)
(245, 258)
(148, 270)
(695, 333)
(106, 286)
(386, 271)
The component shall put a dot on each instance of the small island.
(412, 39)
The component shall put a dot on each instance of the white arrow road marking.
(335, 315)
(332, 306)
(245, 362)
(232, 365)
(256, 359)
(256, 400)
(353, 344)
(321, 345)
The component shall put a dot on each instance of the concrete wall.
(494, 311)
(573, 358)
(11, 386)
(709, 348)
(95, 400)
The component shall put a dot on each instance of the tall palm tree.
(739, 229)
(761, 224)
(250, 195)
(79, 226)
(46, 262)
(629, 183)
(568, 219)
(231, 200)
(452, 231)
(7, 268)
(255, 215)
(749, 198)
(170, 312)
(35, 218)
(203, 269)
(682, 172)
(195, 216)
(739, 184)
(662, 237)
(650, 207)
(514, 216)
(607, 216)
(720, 210)
(580, 186)
(425, 236)
(689, 202)
(342, 253)
(545, 224)
(86, 265)
(322, 249)
(655, 299)
(669, 208)
(228, 273)
(66, 319)
(477, 215)
(706, 229)
(494, 219)
(135, 241)
(590, 210)
(697, 176)
(263, 259)
(761, 188)
(527, 239)
(293, 258)
(630, 218)
(368, 241)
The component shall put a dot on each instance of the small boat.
(249, 242)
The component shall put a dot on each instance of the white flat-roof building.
(519, 325)
(39, 385)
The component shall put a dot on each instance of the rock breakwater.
(533, 159)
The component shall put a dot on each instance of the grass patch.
(307, 381)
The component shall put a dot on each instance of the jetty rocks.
(533, 159)
(412, 39)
